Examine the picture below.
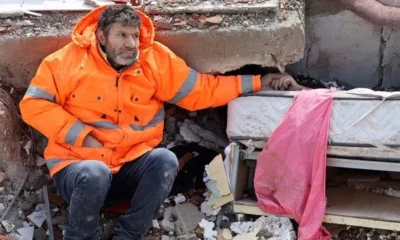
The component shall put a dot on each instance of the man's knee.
(95, 173)
(167, 158)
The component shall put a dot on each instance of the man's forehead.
(120, 27)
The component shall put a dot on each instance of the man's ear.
(101, 37)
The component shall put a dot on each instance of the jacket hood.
(83, 34)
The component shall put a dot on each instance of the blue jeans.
(89, 185)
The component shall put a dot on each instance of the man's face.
(121, 44)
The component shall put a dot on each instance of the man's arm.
(41, 109)
(185, 87)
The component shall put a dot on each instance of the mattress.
(360, 117)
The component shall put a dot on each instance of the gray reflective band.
(74, 132)
(158, 118)
(103, 125)
(52, 162)
(186, 88)
(247, 84)
(36, 92)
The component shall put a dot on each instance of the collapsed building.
(319, 42)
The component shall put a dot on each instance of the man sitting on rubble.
(99, 101)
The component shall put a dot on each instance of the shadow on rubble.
(192, 161)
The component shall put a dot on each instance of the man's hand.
(279, 81)
(91, 142)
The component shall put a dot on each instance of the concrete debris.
(2, 208)
(40, 161)
(188, 218)
(40, 234)
(59, 220)
(227, 234)
(28, 147)
(189, 236)
(37, 218)
(270, 226)
(192, 132)
(166, 224)
(26, 232)
(179, 198)
(209, 210)
(248, 236)
(214, 20)
(209, 233)
(26, 205)
(8, 226)
(156, 224)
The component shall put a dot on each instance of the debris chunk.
(8, 226)
(209, 210)
(249, 236)
(208, 227)
(179, 199)
(164, 25)
(188, 218)
(215, 20)
(26, 232)
(37, 218)
(166, 224)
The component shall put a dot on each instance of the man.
(99, 101)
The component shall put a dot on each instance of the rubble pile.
(61, 23)
(177, 3)
(209, 21)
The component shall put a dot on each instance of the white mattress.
(376, 122)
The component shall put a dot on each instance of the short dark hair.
(121, 13)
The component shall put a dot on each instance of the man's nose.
(130, 42)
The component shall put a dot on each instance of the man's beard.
(115, 56)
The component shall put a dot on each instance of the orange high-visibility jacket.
(76, 92)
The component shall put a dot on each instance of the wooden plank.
(350, 207)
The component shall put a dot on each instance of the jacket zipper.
(117, 81)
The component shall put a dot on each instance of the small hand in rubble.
(279, 81)
(91, 142)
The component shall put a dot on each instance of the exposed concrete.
(210, 51)
(391, 59)
(229, 49)
(20, 57)
(340, 46)
(343, 47)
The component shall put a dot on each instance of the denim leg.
(84, 185)
(147, 181)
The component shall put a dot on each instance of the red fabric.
(291, 169)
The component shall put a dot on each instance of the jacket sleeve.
(41, 109)
(179, 84)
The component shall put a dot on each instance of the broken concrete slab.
(37, 218)
(227, 48)
(269, 225)
(166, 224)
(8, 226)
(188, 218)
(248, 236)
(208, 227)
(391, 58)
(26, 232)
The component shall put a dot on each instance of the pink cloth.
(291, 169)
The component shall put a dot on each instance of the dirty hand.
(279, 81)
(91, 142)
